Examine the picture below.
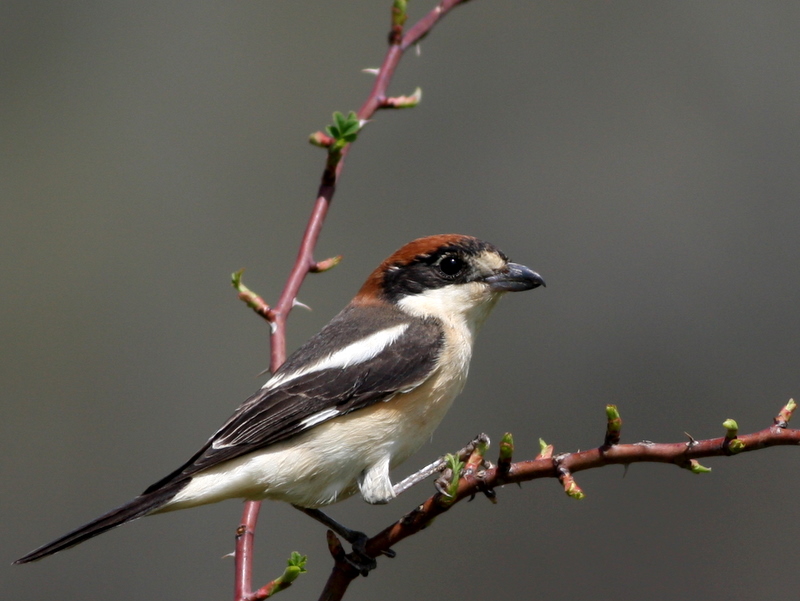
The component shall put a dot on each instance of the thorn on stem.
(297, 303)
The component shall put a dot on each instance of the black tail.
(140, 506)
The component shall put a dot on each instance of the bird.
(353, 402)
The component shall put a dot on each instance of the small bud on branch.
(402, 102)
(695, 467)
(731, 427)
(320, 139)
(326, 264)
(545, 450)
(568, 482)
(506, 454)
(399, 16)
(250, 298)
(613, 426)
(785, 414)
(732, 444)
(295, 566)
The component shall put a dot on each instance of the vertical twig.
(305, 263)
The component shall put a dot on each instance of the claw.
(442, 483)
(361, 562)
(359, 558)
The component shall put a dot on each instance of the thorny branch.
(563, 467)
(399, 42)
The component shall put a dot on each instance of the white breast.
(322, 466)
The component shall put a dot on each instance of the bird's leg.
(354, 537)
(438, 466)
(358, 558)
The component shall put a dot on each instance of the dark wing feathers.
(275, 414)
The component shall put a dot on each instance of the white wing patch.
(318, 417)
(353, 354)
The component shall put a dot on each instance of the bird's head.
(448, 276)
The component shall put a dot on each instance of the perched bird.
(355, 400)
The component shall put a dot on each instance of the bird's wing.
(383, 361)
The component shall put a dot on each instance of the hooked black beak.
(515, 278)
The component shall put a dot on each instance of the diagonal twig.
(681, 454)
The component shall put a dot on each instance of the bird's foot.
(358, 558)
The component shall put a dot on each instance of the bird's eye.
(451, 265)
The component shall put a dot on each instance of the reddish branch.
(277, 315)
(563, 467)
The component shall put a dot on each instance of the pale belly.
(322, 466)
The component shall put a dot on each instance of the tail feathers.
(139, 507)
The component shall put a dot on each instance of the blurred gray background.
(642, 156)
